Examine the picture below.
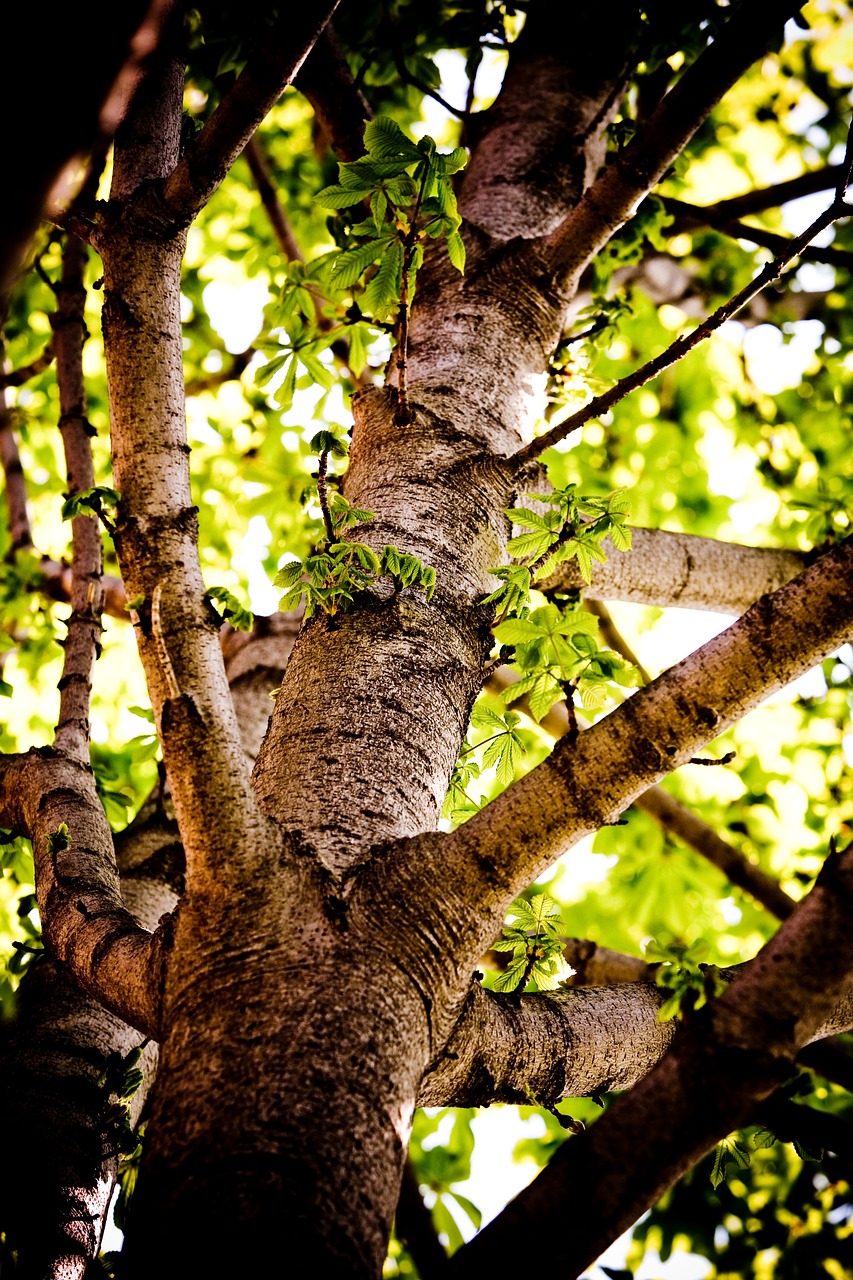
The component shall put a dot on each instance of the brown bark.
(82, 644)
(683, 571)
(590, 781)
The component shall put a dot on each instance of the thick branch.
(613, 197)
(86, 924)
(82, 644)
(338, 103)
(53, 1056)
(88, 67)
(156, 535)
(683, 571)
(592, 780)
(728, 1058)
(255, 92)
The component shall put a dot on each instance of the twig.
(694, 215)
(761, 198)
(682, 345)
(323, 495)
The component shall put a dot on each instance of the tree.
(246, 990)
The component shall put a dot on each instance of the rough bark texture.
(679, 569)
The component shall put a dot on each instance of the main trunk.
(298, 1016)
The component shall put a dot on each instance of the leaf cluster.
(555, 648)
(502, 750)
(231, 611)
(537, 949)
(407, 186)
(97, 501)
(690, 983)
(330, 577)
(556, 653)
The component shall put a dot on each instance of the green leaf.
(718, 1172)
(289, 574)
(456, 250)
(327, 442)
(349, 266)
(383, 292)
(339, 197)
(239, 617)
(385, 140)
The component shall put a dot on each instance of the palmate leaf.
(351, 264)
(512, 975)
(383, 293)
(385, 140)
(505, 753)
(340, 197)
(541, 914)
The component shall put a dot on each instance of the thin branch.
(83, 641)
(20, 532)
(682, 570)
(613, 197)
(674, 817)
(268, 72)
(259, 168)
(688, 216)
(682, 345)
(17, 377)
(761, 198)
(233, 365)
(728, 1058)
